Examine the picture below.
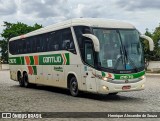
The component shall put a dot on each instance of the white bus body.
(74, 55)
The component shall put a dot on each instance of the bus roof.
(92, 22)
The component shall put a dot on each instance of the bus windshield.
(120, 49)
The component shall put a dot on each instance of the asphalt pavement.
(14, 98)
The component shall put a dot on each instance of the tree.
(145, 45)
(13, 30)
(156, 38)
(4, 53)
(155, 55)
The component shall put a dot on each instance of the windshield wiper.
(129, 59)
(119, 58)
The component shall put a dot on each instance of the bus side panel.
(54, 77)
(39, 78)
(13, 72)
(31, 78)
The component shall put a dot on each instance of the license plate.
(126, 87)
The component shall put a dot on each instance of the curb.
(152, 74)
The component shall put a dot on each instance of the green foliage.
(13, 30)
(155, 55)
(3, 45)
(156, 38)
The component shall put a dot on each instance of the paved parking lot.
(49, 99)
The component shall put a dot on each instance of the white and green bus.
(93, 55)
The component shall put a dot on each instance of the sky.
(141, 13)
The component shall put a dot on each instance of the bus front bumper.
(107, 87)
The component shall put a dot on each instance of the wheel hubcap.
(74, 86)
(25, 81)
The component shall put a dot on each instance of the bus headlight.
(105, 78)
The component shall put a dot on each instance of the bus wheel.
(74, 87)
(20, 80)
(25, 79)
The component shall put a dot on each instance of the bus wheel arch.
(72, 85)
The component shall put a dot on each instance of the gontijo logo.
(52, 59)
(55, 59)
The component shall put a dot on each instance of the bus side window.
(67, 41)
(33, 45)
(20, 46)
(79, 30)
(24, 46)
(15, 45)
(54, 41)
(11, 47)
(89, 58)
(57, 39)
(45, 42)
(28, 48)
(38, 44)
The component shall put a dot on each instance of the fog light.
(105, 88)
(142, 86)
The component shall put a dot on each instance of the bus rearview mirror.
(94, 40)
(151, 43)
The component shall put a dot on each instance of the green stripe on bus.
(35, 70)
(103, 74)
(67, 57)
(31, 60)
(15, 61)
(52, 59)
(22, 60)
(129, 76)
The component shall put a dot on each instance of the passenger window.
(33, 45)
(28, 47)
(24, 46)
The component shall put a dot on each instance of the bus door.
(89, 70)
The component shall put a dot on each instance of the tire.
(73, 87)
(25, 80)
(20, 80)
